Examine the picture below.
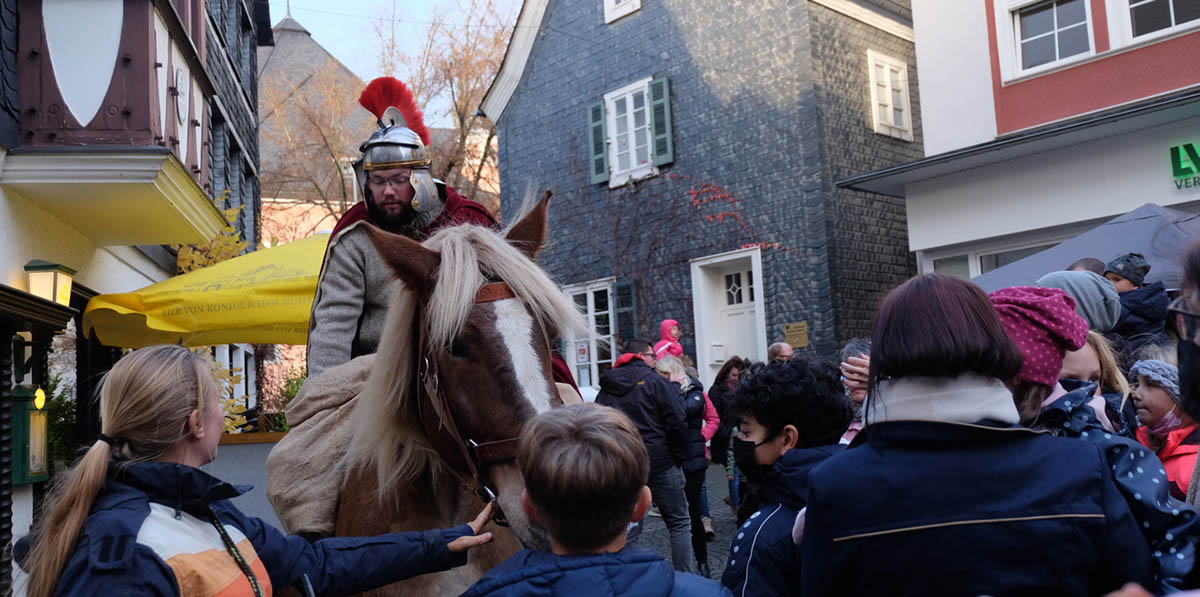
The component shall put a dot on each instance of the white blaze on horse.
(464, 362)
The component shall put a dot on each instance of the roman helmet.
(400, 142)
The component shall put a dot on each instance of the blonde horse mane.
(386, 432)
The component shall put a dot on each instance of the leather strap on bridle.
(462, 454)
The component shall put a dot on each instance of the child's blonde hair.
(1110, 372)
(145, 402)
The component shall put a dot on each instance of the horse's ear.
(413, 263)
(529, 234)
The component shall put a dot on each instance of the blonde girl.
(136, 515)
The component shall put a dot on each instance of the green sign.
(1185, 166)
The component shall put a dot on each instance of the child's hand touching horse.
(465, 543)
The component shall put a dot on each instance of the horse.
(463, 363)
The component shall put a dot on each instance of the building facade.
(1043, 119)
(120, 121)
(693, 150)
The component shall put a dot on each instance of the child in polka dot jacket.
(1044, 325)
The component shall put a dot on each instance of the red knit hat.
(1044, 325)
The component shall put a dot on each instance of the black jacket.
(693, 412)
(721, 397)
(654, 406)
(1143, 317)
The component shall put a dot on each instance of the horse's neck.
(422, 504)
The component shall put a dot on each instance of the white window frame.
(1120, 27)
(615, 9)
(887, 128)
(617, 178)
(593, 339)
(1008, 41)
(975, 253)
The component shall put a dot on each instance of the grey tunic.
(351, 303)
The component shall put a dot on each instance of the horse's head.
(482, 317)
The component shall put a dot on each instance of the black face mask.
(1189, 377)
(743, 456)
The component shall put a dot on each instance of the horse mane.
(387, 434)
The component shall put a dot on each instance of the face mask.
(743, 456)
(1189, 377)
(1168, 423)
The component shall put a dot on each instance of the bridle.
(462, 454)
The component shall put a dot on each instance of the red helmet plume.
(388, 92)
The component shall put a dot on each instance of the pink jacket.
(667, 345)
(711, 422)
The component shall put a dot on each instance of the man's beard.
(401, 223)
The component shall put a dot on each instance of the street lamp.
(51, 281)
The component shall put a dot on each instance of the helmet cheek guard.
(425, 198)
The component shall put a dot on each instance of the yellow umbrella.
(263, 297)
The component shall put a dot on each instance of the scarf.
(968, 398)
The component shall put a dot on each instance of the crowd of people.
(1037, 437)
(1035, 440)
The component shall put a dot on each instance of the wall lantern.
(50, 281)
(30, 448)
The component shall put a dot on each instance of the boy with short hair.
(585, 470)
(790, 417)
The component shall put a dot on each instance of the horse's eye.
(458, 349)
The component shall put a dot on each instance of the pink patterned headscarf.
(1044, 325)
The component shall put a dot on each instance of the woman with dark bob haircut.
(944, 492)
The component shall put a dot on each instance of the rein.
(462, 454)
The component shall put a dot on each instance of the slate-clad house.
(693, 146)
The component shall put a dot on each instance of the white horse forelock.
(387, 434)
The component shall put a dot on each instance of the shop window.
(1149, 16)
(1048, 32)
(958, 266)
(991, 261)
(891, 113)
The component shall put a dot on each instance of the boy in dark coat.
(1143, 306)
(585, 470)
(791, 415)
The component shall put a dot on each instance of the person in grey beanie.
(1127, 272)
(1166, 429)
(1143, 306)
(1095, 298)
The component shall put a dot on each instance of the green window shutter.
(626, 311)
(660, 104)
(598, 143)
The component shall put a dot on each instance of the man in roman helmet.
(401, 196)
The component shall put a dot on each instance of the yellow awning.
(264, 297)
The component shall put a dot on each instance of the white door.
(734, 331)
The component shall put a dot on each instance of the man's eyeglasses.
(1185, 317)
(648, 355)
(383, 182)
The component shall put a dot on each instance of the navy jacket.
(654, 406)
(1143, 316)
(634, 570)
(936, 508)
(693, 412)
(149, 507)
(763, 560)
(1170, 526)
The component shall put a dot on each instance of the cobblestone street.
(654, 532)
